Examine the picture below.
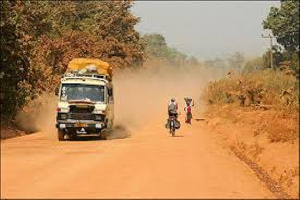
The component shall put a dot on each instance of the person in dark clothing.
(173, 111)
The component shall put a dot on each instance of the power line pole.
(271, 46)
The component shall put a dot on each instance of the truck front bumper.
(69, 123)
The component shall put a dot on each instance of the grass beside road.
(257, 115)
(266, 87)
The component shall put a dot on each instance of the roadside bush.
(39, 38)
(265, 87)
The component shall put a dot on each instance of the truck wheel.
(103, 135)
(60, 134)
(73, 136)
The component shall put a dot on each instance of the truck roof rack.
(90, 64)
(93, 76)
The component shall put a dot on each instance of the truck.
(85, 100)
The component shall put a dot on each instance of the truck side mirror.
(111, 99)
(56, 91)
(110, 95)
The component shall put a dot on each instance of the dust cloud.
(140, 97)
(39, 115)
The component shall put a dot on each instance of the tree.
(39, 38)
(284, 23)
(156, 45)
(254, 65)
(236, 60)
(156, 48)
(193, 61)
(22, 23)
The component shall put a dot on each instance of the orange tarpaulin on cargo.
(81, 63)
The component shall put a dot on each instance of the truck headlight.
(99, 111)
(63, 116)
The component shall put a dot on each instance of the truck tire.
(60, 134)
(73, 137)
(103, 135)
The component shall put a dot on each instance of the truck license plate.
(80, 125)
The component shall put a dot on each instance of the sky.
(207, 29)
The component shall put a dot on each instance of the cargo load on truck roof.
(100, 66)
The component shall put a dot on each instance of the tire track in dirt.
(271, 184)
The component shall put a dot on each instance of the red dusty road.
(149, 164)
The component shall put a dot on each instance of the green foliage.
(282, 60)
(39, 38)
(284, 23)
(157, 48)
(156, 45)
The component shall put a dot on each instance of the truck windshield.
(82, 92)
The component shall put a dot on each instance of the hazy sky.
(207, 29)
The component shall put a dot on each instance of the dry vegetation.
(269, 90)
(267, 87)
(258, 116)
(39, 38)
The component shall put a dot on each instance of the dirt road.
(149, 164)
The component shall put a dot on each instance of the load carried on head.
(188, 100)
(83, 66)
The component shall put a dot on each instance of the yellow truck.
(85, 100)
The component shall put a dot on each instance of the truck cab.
(85, 104)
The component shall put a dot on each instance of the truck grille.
(81, 116)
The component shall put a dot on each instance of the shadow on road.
(85, 138)
(177, 136)
(118, 132)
